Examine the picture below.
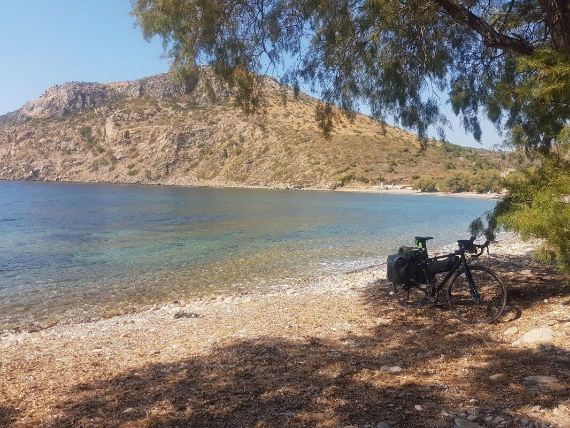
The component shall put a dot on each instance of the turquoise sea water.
(86, 250)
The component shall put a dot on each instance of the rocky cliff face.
(157, 131)
(76, 97)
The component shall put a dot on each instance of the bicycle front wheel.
(483, 303)
(410, 296)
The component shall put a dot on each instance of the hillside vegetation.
(156, 131)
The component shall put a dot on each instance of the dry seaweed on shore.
(335, 353)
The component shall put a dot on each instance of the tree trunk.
(491, 37)
(558, 21)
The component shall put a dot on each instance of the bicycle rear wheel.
(484, 305)
(411, 296)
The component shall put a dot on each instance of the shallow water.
(87, 250)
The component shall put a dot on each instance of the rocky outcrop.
(75, 97)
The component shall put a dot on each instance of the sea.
(84, 251)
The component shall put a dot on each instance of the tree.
(508, 59)
(395, 55)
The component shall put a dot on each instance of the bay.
(78, 251)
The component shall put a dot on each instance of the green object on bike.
(474, 293)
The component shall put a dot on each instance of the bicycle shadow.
(528, 283)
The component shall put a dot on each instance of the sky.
(49, 42)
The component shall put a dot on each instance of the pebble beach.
(338, 351)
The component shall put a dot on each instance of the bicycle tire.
(410, 296)
(492, 291)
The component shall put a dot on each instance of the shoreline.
(232, 360)
(403, 190)
(327, 282)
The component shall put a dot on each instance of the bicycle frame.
(461, 261)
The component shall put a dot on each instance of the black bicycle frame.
(460, 261)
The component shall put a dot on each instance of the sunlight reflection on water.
(87, 250)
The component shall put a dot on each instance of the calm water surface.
(86, 250)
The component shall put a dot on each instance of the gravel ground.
(337, 351)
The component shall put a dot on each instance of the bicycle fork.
(472, 288)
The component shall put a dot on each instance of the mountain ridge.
(158, 131)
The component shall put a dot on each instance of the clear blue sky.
(46, 42)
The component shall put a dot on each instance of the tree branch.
(491, 37)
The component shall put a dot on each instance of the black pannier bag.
(399, 268)
(442, 265)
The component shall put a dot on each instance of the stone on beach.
(391, 369)
(536, 336)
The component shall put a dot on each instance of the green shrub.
(345, 179)
(486, 181)
(426, 184)
(538, 205)
(457, 182)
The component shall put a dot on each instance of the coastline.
(396, 190)
(223, 355)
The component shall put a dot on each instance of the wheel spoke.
(482, 305)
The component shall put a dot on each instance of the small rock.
(476, 411)
(472, 418)
(551, 322)
(183, 314)
(536, 335)
(488, 418)
(498, 377)
(541, 380)
(464, 423)
(473, 401)
(510, 331)
(418, 407)
(382, 425)
(129, 410)
(391, 369)
(498, 420)
(560, 412)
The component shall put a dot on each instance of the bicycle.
(475, 293)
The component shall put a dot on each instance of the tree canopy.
(397, 56)
(506, 59)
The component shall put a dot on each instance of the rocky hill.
(157, 131)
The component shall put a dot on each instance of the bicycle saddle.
(421, 241)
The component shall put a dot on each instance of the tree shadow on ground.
(347, 380)
(272, 382)
(7, 415)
